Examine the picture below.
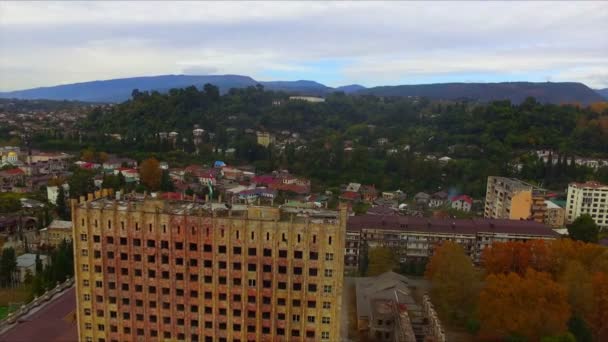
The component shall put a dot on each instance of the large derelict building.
(513, 199)
(148, 270)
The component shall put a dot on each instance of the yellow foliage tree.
(577, 282)
(598, 315)
(455, 282)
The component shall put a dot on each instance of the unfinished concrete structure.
(149, 269)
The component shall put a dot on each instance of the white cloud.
(45, 43)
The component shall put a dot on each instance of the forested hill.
(118, 90)
(483, 139)
(549, 92)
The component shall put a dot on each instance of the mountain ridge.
(118, 90)
(603, 93)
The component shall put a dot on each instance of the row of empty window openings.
(207, 231)
(208, 294)
(195, 337)
(152, 304)
(208, 324)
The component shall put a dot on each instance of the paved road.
(53, 322)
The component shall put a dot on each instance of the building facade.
(156, 270)
(555, 215)
(416, 237)
(508, 198)
(588, 198)
(57, 232)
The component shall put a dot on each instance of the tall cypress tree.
(62, 209)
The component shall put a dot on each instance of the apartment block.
(509, 198)
(149, 269)
(415, 238)
(588, 198)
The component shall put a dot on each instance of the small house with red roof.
(350, 196)
(462, 203)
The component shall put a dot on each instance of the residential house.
(462, 203)
(131, 175)
(422, 198)
(438, 199)
(354, 187)
(382, 141)
(26, 263)
(368, 193)
(56, 233)
(265, 138)
(350, 196)
(53, 191)
(11, 178)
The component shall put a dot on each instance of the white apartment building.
(588, 198)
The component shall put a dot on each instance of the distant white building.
(307, 98)
(53, 191)
(588, 198)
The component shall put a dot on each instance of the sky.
(335, 43)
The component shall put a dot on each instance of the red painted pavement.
(49, 324)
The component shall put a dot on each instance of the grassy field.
(21, 294)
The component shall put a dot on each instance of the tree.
(166, 184)
(380, 260)
(8, 266)
(62, 209)
(81, 183)
(88, 155)
(577, 282)
(518, 256)
(530, 306)
(584, 229)
(579, 328)
(150, 173)
(598, 315)
(455, 282)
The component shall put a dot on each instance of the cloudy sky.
(336, 43)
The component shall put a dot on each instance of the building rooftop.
(28, 260)
(60, 224)
(207, 209)
(375, 294)
(450, 226)
(592, 185)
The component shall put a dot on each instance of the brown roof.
(459, 226)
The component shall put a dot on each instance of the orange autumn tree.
(598, 315)
(593, 257)
(531, 306)
(505, 257)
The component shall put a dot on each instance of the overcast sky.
(336, 43)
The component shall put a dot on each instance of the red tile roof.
(463, 198)
(350, 195)
(13, 172)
